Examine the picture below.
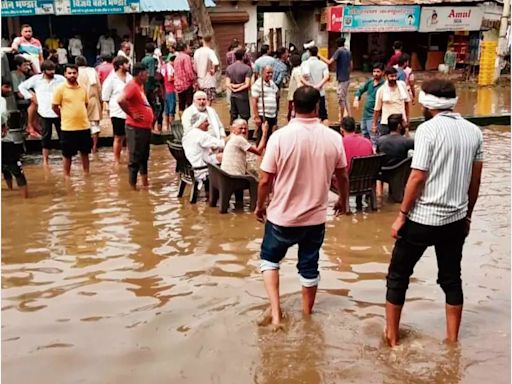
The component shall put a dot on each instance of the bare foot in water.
(266, 319)
(391, 342)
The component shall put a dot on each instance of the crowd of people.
(439, 197)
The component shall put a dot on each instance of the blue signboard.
(27, 7)
(90, 7)
(381, 18)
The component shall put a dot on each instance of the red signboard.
(334, 18)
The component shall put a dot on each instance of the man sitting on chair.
(216, 129)
(234, 158)
(200, 147)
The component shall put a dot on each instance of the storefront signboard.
(334, 18)
(90, 7)
(381, 18)
(441, 19)
(27, 7)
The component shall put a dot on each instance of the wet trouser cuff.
(266, 265)
(308, 283)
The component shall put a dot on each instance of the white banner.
(438, 19)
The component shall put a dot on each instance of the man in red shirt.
(397, 46)
(170, 90)
(355, 145)
(105, 68)
(139, 121)
(185, 78)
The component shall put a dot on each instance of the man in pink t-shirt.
(105, 68)
(298, 165)
(355, 145)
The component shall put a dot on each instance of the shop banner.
(90, 7)
(381, 18)
(441, 19)
(334, 18)
(27, 7)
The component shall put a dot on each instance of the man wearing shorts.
(206, 64)
(139, 120)
(343, 59)
(300, 185)
(170, 91)
(113, 88)
(43, 86)
(440, 195)
(70, 103)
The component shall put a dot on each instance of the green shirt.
(150, 62)
(370, 100)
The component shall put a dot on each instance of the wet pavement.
(104, 285)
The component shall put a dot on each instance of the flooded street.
(104, 285)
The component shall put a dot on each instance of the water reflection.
(107, 285)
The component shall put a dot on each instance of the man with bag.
(265, 102)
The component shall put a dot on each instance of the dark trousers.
(272, 122)
(322, 112)
(11, 163)
(47, 124)
(240, 107)
(138, 142)
(185, 98)
(414, 239)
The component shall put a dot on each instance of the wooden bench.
(223, 185)
(396, 177)
(185, 171)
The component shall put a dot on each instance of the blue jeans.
(366, 129)
(170, 103)
(278, 239)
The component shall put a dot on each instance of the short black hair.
(281, 51)
(81, 61)
(48, 65)
(404, 58)
(239, 54)
(150, 47)
(378, 66)
(119, 61)
(25, 26)
(348, 124)
(398, 44)
(181, 46)
(394, 121)
(313, 51)
(295, 60)
(390, 71)
(340, 42)
(19, 60)
(264, 49)
(440, 88)
(70, 66)
(107, 58)
(305, 99)
(138, 68)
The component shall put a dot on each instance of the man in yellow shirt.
(70, 103)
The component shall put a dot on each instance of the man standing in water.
(139, 121)
(70, 104)
(298, 209)
(439, 199)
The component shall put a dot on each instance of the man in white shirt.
(106, 45)
(126, 51)
(75, 48)
(315, 73)
(265, 101)
(112, 89)
(43, 85)
(200, 147)
(216, 128)
(206, 64)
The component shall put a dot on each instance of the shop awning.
(168, 6)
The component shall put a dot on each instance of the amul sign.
(438, 19)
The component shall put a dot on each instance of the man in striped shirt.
(439, 199)
(265, 101)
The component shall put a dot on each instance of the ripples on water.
(103, 285)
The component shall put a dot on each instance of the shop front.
(374, 28)
(451, 26)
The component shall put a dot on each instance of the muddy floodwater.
(104, 285)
